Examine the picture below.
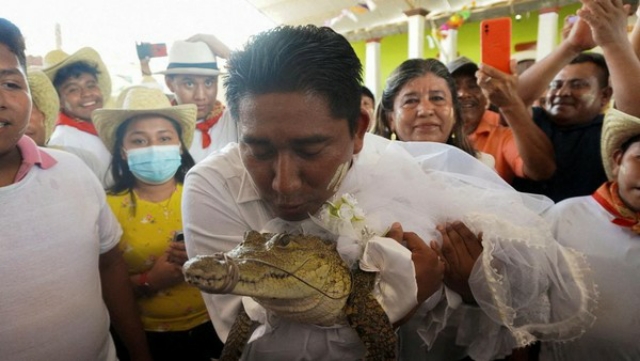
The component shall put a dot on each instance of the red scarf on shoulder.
(608, 197)
(208, 123)
(84, 126)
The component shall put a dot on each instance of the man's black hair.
(367, 93)
(599, 61)
(74, 70)
(12, 38)
(303, 59)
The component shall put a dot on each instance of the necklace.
(165, 205)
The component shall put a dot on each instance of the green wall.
(394, 48)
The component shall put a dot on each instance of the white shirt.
(55, 224)
(71, 138)
(614, 255)
(222, 133)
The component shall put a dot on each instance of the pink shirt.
(32, 155)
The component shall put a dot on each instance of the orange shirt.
(495, 139)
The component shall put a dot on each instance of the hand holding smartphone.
(148, 50)
(495, 42)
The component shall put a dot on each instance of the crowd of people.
(498, 229)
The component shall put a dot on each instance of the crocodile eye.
(281, 239)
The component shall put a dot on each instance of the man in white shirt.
(64, 277)
(83, 85)
(192, 76)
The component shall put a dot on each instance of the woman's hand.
(164, 273)
(177, 253)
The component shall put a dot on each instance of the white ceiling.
(388, 16)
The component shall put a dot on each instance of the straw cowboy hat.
(56, 60)
(191, 58)
(44, 97)
(139, 101)
(54, 57)
(618, 128)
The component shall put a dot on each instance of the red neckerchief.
(608, 197)
(88, 127)
(208, 123)
(211, 120)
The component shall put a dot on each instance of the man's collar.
(32, 155)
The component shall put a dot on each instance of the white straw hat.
(618, 127)
(59, 60)
(44, 97)
(191, 58)
(142, 101)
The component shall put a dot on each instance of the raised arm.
(535, 80)
(533, 146)
(217, 47)
(608, 22)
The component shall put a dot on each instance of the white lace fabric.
(527, 286)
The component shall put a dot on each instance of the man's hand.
(607, 20)
(578, 34)
(217, 47)
(500, 88)
(460, 250)
(429, 267)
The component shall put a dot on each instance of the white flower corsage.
(343, 218)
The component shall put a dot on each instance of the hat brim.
(190, 71)
(91, 56)
(618, 127)
(45, 97)
(107, 121)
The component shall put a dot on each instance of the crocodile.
(297, 277)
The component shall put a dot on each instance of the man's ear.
(617, 161)
(168, 80)
(361, 129)
(607, 93)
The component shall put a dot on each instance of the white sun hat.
(191, 58)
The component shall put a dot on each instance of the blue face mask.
(156, 164)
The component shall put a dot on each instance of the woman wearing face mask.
(419, 105)
(149, 139)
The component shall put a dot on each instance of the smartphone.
(495, 42)
(178, 237)
(148, 50)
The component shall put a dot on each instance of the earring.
(393, 136)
